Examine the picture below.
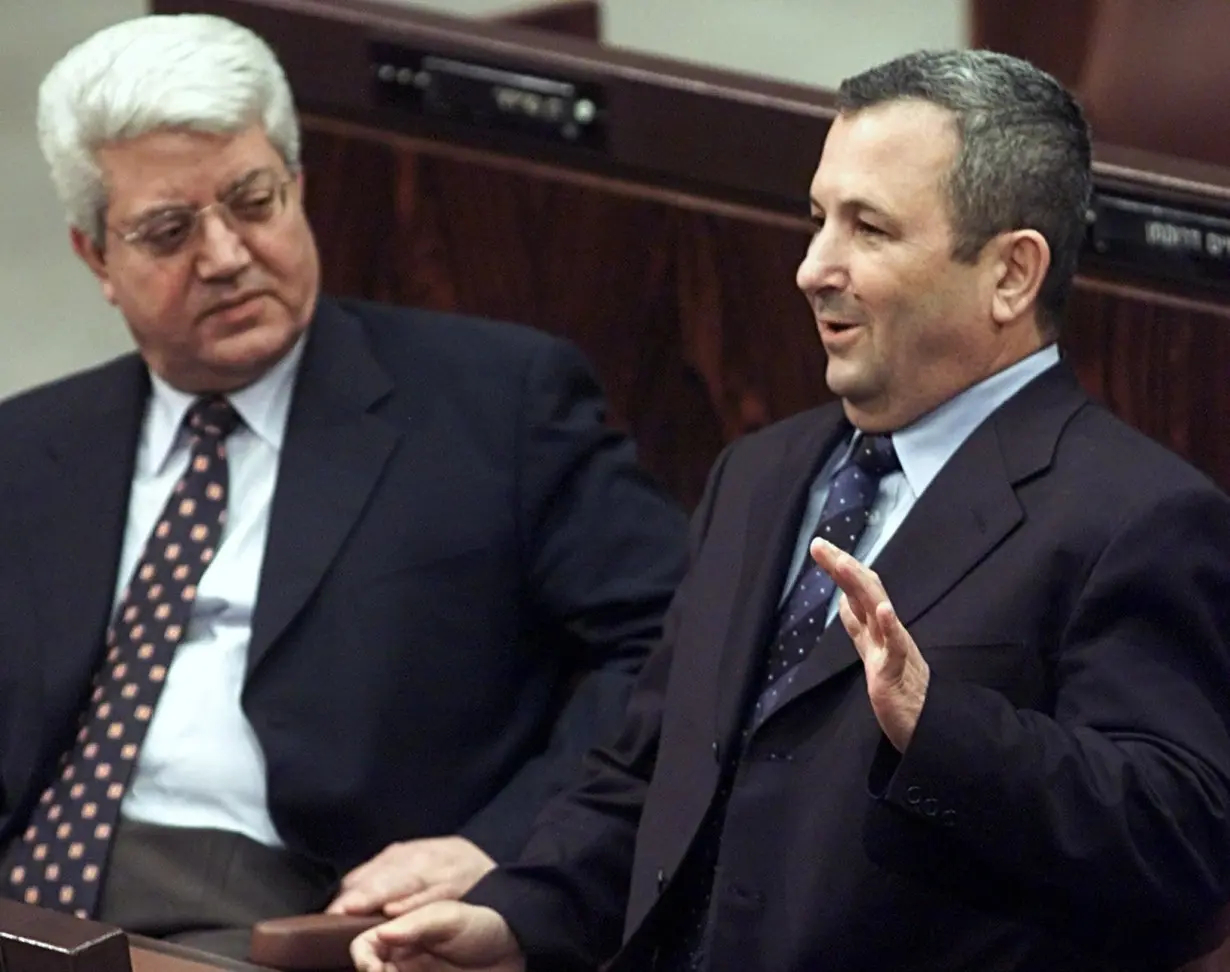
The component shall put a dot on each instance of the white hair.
(190, 72)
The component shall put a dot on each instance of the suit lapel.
(333, 454)
(968, 510)
(75, 545)
(776, 507)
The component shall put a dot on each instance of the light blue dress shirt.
(923, 448)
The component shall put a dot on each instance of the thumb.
(433, 924)
(437, 892)
(351, 902)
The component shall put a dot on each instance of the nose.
(222, 252)
(824, 265)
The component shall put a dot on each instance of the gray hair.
(1024, 156)
(190, 72)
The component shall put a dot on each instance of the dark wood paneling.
(688, 306)
(1053, 34)
(687, 310)
(1161, 365)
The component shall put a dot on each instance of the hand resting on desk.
(410, 874)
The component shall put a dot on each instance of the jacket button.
(661, 879)
(717, 752)
(930, 806)
(948, 818)
(913, 795)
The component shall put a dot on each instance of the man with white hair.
(307, 603)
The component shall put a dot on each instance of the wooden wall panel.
(1053, 34)
(689, 316)
(687, 307)
(1160, 364)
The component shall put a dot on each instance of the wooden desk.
(41, 940)
(148, 955)
(666, 245)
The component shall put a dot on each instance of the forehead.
(178, 166)
(894, 156)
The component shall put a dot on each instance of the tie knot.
(213, 416)
(875, 455)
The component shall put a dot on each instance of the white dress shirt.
(201, 764)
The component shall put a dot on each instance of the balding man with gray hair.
(307, 603)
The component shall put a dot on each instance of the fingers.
(404, 943)
(393, 873)
(860, 584)
(421, 928)
(850, 621)
(352, 898)
(368, 899)
(374, 957)
(348, 903)
(833, 561)
(357, 874)
(897, 641)
(438, 936)
(369, 953)
(437, 892)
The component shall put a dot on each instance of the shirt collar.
(263, 406)
(924, 446)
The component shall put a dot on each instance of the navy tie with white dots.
(842, 521)
(58, 862)
(852, 491)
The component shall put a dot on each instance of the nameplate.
(1165, 241)
(38, 940)
(488, 96)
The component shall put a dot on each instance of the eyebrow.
(163, 209)
(857, 204)
(244, 180)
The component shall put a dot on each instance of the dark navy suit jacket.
(464, 571)
(1065, 800)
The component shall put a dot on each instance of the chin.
(846, 381)
(259, 337)
(245, 358)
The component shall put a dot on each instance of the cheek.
(935, 330)
(888, 298)
(291, 262)
(154, 298)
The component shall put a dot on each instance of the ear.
(92, 255)
(1023, 260)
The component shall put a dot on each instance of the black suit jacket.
(1065, 800)
(456, 540)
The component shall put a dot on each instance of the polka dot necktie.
(59, 860)
(842, 521)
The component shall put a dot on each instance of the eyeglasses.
(261, 198)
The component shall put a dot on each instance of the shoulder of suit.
(445, 330)
(1122, 458)
(785, 431)
(37, 410)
